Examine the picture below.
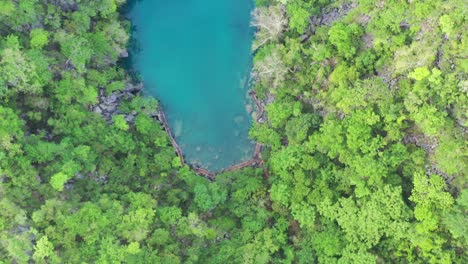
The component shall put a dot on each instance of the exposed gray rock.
(109, 108)
(336, 13)
(111, 99)
(327, 17)
(108, 104)
(133, 88)
(97, 110)
(66, 5)
(123, 54)
(130, 118)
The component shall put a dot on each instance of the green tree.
(44, 250)
(58, 181)
(39, 38)
(299, 15)
(344, 38)
(120, 122)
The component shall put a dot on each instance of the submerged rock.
(248, 108)
(178, 127)
(254, 115)
(123, 54)
(239, 119)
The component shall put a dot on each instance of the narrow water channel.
(194, 56)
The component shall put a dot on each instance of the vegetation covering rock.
(365, 141)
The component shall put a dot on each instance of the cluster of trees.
(367, 131)
(365, 142)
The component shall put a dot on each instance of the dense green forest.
(365, 145)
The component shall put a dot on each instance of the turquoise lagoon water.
(194, 56)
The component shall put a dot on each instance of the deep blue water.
(195, 58)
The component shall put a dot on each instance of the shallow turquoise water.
(194, 56)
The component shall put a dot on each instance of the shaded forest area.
(364, 143)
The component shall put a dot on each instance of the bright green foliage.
(299, 15)
(266, 135)
(280, 112)
(43, 250)
(431, 200)
(455, 219)
(39, 38)
(451, 155)
(58, 180)
(368, 220)
(7, 7)
(364, 142)
(208, 196)
(391, 109)
(344, 38)
(446, 24)
(18, 71)
(420, 73)
(120, 122)
(297, 128)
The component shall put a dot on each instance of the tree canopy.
(364, 141)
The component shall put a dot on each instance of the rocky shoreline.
(108, 104)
